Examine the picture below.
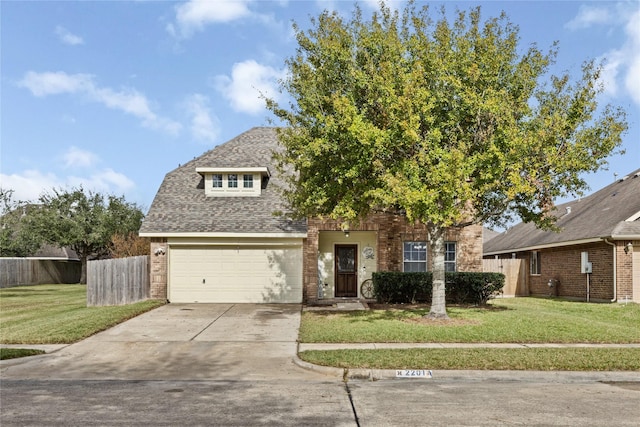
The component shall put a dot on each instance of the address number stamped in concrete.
(413, 373)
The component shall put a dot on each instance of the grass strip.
(535, 359)
(58, 314)
(13, 353)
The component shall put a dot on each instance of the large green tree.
(15, 239)
(83, 220)
(446, 122)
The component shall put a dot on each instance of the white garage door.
(230, 274)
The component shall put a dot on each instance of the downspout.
(615, 269)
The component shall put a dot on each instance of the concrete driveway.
(180, 342)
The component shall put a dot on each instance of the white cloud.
(632, 49)
(129, 101)
(193, 15)
(55, 83)
(249, 81)
(67, 37)
(76, 157)
(588, 16)
(205, 126)
(621, 65)
(31, 184)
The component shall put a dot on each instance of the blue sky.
(112, 95)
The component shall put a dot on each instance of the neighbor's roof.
(613, 212)
(180, 206)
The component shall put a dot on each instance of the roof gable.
(181, 206)
(605, 213)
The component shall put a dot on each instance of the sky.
(112, 95)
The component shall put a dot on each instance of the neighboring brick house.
(599, 233)
(215, 238)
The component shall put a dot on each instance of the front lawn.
(514, 320)
(58, 314)
(518, 320)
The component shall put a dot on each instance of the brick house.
(595, 256)
(215, 238)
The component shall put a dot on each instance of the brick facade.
(563, 264)
(158, 268)
(392, 231)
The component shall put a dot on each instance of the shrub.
(393, 287)
(461, 287)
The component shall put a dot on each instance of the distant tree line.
(94, 225)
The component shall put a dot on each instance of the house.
(215, 236)
(595, 256)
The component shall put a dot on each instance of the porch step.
(338, 306)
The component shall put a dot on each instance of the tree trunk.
(83, 269)
(436, 249)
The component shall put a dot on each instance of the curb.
(474, 375)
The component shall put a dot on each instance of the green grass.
(58, 314)
(536, 359)
(13, 353)
(517, 320)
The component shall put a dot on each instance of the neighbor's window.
(232, 180)
(450, 256)
(534, 260)
(217, 180)
(248, 181)
(415, 256)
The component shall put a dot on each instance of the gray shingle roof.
(599, 215)
(180, 206)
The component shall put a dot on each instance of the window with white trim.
(534, 263)
(414, 256)
(216, 179)
(232, 180)
(247, 181)
(450, 256)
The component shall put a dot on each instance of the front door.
(346, 270)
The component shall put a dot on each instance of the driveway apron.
(181, 342)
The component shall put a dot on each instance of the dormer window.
(234, 182)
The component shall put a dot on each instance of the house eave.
(261, 170)
(545, 246)
(210, 235)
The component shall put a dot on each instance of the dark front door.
(346, 269)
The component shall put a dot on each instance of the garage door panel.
(245, 274)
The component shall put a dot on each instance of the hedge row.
(460, 287)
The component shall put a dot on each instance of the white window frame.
(535, 263)
(414, 255)
(234, 180)
(215, 181)
(247, 181)
(450, 265)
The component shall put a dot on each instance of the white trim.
(227, 235)
(633, 217)
(625, 237)
(545, 246)
(262, 170)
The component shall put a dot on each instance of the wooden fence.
(30, 271)
(515, 275)
(117, 281)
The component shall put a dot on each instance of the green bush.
(392, 287)
(460, 287)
